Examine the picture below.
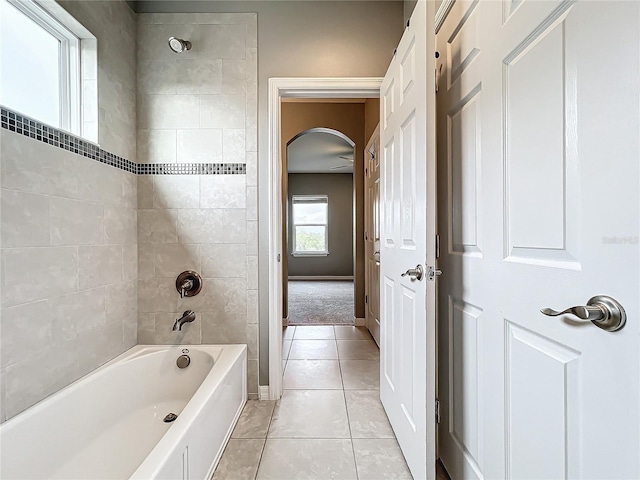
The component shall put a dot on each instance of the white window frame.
(310, 199)
(69, 64)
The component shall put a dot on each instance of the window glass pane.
(309, 213)
(29, 71)
(310, 239)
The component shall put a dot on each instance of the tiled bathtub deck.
(329, 423)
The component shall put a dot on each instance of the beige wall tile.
(130, 190)
(145, 191)
(122, 303)
(130, 262)
(172, 259)
(146, 328)
(39, 375)
(146, 256)
(199, 76)
(252, 272)
(100, 265)
(200, 146)
(233, 76)
(32, 274)
(157, 295)
(157, 226)
(99, 347)
(78, 313)
(223, 328)
(222, 111)
(252, 203)
(156, 146)
(233, 145)
(120, 226)
(252, 238)
(221, 260)
(168, 111)
(75, 222)
(212, 226)
(233, 292)
(252, 306)
(157, 76)
(252, 168)
(176, 191)
(25, 328)
(46, 172)
(222, 191)
(25, 219)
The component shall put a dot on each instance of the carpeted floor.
(320, 302)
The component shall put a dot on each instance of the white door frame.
(279, 88)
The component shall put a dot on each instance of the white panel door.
(407, 178)
(372, 234)
(538, 135)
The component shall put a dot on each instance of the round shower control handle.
(188, 283)
(603, 311)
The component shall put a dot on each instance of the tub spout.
(187, 317)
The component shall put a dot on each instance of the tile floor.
(329, 424)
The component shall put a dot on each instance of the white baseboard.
(264, 392)
(361, 322)
(320, 277)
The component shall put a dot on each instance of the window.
(40, 69)
(310, 225)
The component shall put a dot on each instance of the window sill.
(319, 254)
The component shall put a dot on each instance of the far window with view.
(310, 224)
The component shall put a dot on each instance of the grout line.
(266, 437)
(346, 407)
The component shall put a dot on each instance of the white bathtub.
(109, 424)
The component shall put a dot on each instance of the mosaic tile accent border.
(28, 127)
(192, 169)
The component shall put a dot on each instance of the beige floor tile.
(288, 332)
(313, 374)
(380, 459)
(254, 420)
(360, 374)
(284, 366)
(313, 350)
(348, 332)
(367, 418)
(240, 460)
(358, 350)
(287, 459)
(286, 347)
(310, 414)
(314, 332)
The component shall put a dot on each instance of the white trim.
(263, 392)
(320, 277)
(441, 14)
(278, 88)
(360, 322)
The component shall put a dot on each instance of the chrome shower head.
(178, 45)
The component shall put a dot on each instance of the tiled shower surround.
(74, 291)
(199, 106)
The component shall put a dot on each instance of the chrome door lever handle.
(414, 273)
(603, 311)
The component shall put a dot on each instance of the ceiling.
(319, 151)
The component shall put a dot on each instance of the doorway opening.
(305, 90)
(320, 196)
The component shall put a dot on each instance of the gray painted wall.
(339, 188)
(303, 39)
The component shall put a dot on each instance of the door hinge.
(437, 411)
(366, 299)
(366, 235)
(437, 246)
